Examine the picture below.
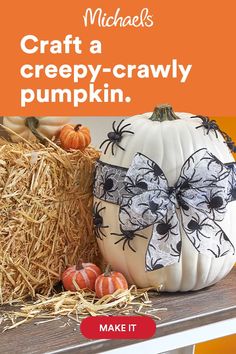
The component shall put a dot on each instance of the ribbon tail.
(206, 235)
(164, 247)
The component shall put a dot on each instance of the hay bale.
(45, 216)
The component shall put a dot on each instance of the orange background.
(200, 33)
(228, 125)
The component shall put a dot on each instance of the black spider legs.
(98, 221)
(126, 241)
(176, 251)
(108, 193)
(218, 254)
(99, 231)
(119, 146)
(114, 137)
(208, 129)
(127, 237)
(116, 129)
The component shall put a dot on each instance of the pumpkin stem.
(107, 272)
(33, 123)
(77, 127)
(162, 113)
(79, 265)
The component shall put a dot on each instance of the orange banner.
(117, 57)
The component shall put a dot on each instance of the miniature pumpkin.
(82, 274)
(31, 127)
(75, 137)
(144, 192)
(110, 281)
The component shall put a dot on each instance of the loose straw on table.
(83, 303)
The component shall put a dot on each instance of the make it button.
(118, 327)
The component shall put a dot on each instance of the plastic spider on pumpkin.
(208, 124)
(114, 137)
(126, 237)
(229, 142)
(98, 221)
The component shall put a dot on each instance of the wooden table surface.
(185, 311)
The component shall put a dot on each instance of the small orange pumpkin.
(75, 137)
(82, 274)
(110, 281)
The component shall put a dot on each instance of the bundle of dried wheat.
(45, 215)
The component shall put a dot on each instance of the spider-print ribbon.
(200, 194)
(232, 182)
(109, 182)
(196, 203)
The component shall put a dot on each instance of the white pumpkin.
(23, 126)
(169, 143)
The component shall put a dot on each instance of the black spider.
(152, 206)
(187, 182)
(195, 225)
(138, 223)
(212, 125)
(219, 175)
(114, 137)
(176, 251)
(215, 203)
(133, 184)
(154, 169)
(213, 160)
(184, 184)
(107, 184)
(127, 237)
(154, 263)
(182, 204)
(229, 142)
(98, 221)
(208, 124)
(165, 229)
(173, 192)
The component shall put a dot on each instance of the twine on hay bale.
(45, 216)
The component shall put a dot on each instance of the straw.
(80, 304)
(45, 216)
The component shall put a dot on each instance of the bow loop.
(147, 194)
(203, 184)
